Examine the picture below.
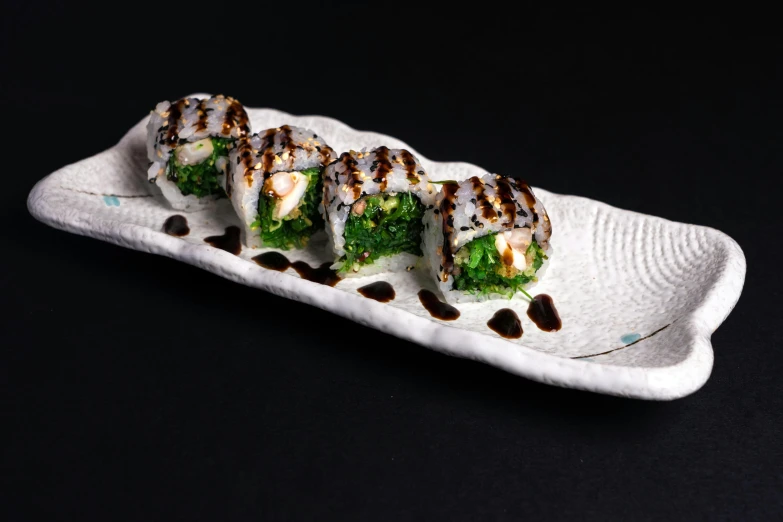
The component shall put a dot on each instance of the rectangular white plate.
(639, 296)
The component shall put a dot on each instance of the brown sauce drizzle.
(507, 256)
(228, 241)
(487, 210)
(354, 182)
(507, 204)
(382, 167)
(437, 308)
(273, 261)
(288, 142)
(172, 133)
(446, 212)
(543, 313)
(530, 199)
(235, 117)
(380, 291)
(409, 163)
(202, 116)
(325, 154)
(245, 156)
(268, 156)
(327, 188)
(176, 225)
(506, 324)
(323, 275)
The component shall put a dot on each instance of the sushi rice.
(274, 184)
(486, 238)
(373, 204)
(188, 143)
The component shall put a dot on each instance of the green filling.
(483, 272)
(390, 224)
(200, 179)
(295, 229)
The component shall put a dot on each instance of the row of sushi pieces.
(481, 238)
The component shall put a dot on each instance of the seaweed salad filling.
(295, 228)
(382, 225)
(480, 270)
(199, 179)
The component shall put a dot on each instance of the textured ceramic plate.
(639, 296)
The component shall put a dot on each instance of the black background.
(137, 387)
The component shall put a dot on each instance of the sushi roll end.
(487, 237)
(275, 182)
(374, 204)
(188, 142)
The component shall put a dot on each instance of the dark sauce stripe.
(383, 166)
(268, 146)
(530, 199)
(507, 204)
(449, 192)
(287, 145)
(202, 116)
(409, 163)
(235, 116)
(482, 203)
(172, 132)
(326, 154)
(287, 141)
(327, 189)
(246, 156)
(354, 182)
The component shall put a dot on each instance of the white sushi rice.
(469, 223)
(356, 175)
(254, 159)
(186, 121)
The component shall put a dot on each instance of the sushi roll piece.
(188, 143)
(487, 237)
(374, 203)
(275, 185)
